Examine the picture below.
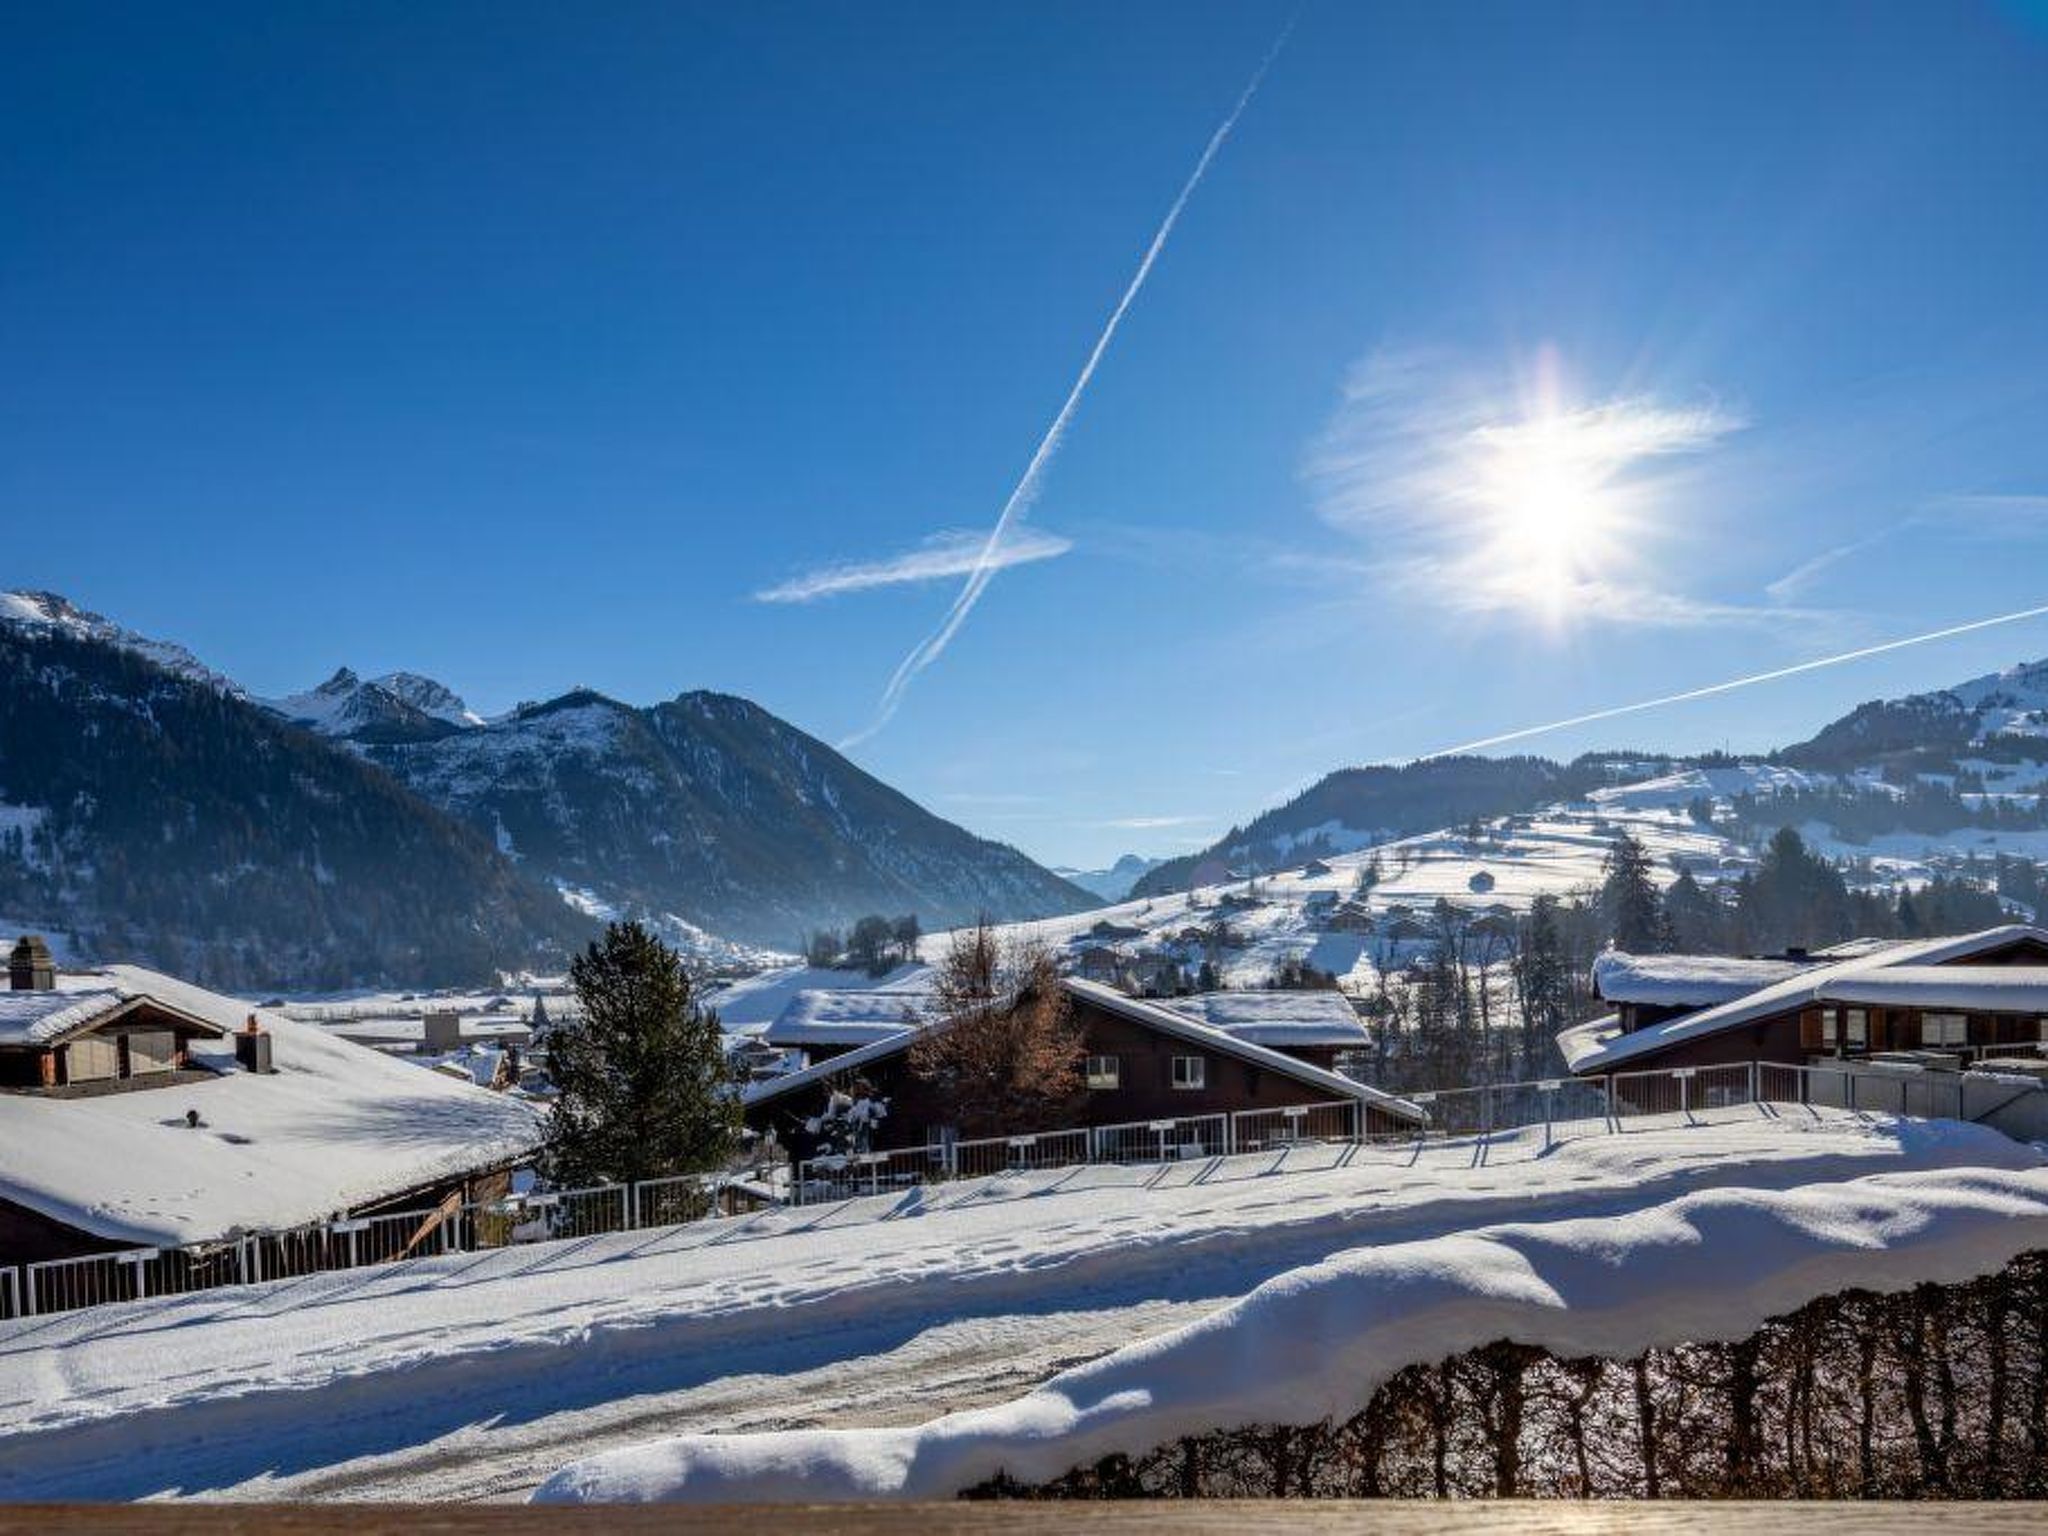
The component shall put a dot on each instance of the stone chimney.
(29, 967)
(252, 1047)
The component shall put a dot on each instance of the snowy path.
(471, 1376)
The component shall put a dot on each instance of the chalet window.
(1944, 1029)
(1830, 1027)
(1189, 1071)
(2044, 1029)
(151, 1050)
(1856, 1028)
(92, 1059)
(1105, 1072)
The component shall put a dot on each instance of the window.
(1830, 1027)
(1944, 1029)
(151, 1050)
(91, 1059)
(1857, 1028)
(1105, 1072)
(1188, 1071)
(2044, 1029)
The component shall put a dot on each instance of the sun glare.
(1549, 509)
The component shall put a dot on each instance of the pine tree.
(1628, 897)
(1542, 983)
(641, 1078)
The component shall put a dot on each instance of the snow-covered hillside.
(47, 612)
(1316, 913)
(477, 1375)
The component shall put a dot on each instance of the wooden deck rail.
(1179, 1517)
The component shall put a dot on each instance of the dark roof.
(1151, 1015)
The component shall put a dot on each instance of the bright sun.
(1548, 504)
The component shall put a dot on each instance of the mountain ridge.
(704, 814)
(1975, 751)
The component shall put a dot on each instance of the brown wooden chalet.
(138, 1110)
(1965, 997)
(88, 1042)
(1144, 1061)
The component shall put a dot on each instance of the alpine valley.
(377, 832)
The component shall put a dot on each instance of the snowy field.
(477, 1376)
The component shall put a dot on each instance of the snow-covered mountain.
(1345, 878)
(708, 810)
(400, 706)
(1115, 882)
(705, 815)
(152, 812)
(1995, 725)
(1355, 808)
(46, 613)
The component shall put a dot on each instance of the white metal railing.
(1175, 1138)
(137, 1274)
(1565, 1108)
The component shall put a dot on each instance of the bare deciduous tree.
(1002, 1042)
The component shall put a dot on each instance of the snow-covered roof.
(826, 1071)
(1318, 1018)
(41, 1018)
(1682, 981)
(1589, 1052)
(1856, 949)
(841, 1017)
(1152, 1015)
(1990, 988)
(754, 1002)
(336, 1127)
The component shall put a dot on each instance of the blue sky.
(1511, 361)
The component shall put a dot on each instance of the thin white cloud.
(1796, 582)
(1018, 507)
(943, 555)
(1967, 518)
(1485, 496)
(1152, 823)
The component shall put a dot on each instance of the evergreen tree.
(1794, 898)
(1542, 983)
(641, 1077)
(1698, 920)
(1629, 899)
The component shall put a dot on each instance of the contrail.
(1741, 682)
(934, 645)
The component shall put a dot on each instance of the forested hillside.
(161, 818)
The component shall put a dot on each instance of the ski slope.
(477, 1375)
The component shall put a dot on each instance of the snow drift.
(1316, 1342)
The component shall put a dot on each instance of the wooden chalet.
(1965, 997)
(1144, 1061)
(138, 1110)
(93, 1041)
